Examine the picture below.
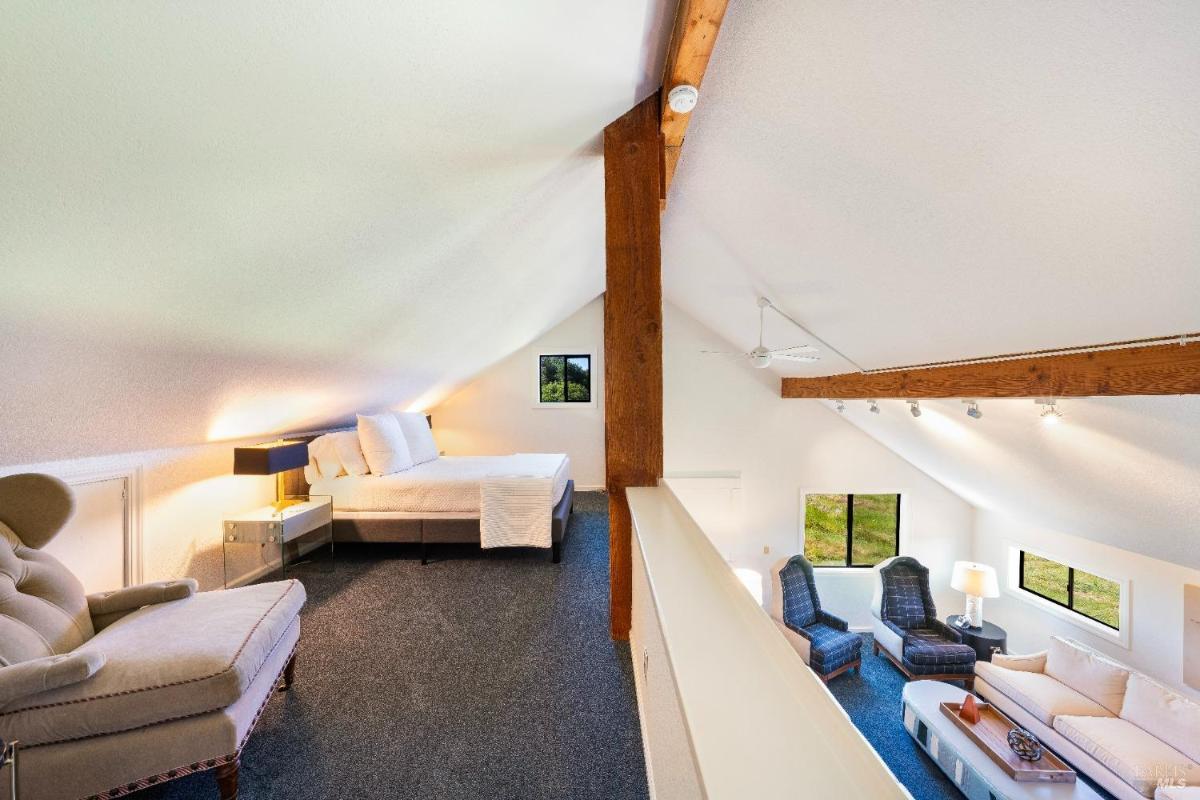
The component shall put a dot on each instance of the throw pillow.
(383, 444)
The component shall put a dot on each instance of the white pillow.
(383, 444)
(345, 444)
(419, 437)
(322, 450)
(1087, 672)
(1164, 714)
(311, 473)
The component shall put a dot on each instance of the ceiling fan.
(760, 357)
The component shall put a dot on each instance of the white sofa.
(1127, 733)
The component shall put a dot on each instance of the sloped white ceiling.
(940, 180)
(1124, 471)
(937, 180)
(234, 218)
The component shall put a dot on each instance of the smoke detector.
(682, 99)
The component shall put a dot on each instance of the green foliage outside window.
(868, 522)
(1084, 593)
(565, 379)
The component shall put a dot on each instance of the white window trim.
(905, 514)
(558, 351)
(1012, 587)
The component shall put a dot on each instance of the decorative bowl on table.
(1025, 744)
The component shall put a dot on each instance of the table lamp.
(976, 581)
(272, 458)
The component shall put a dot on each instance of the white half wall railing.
(728, 709)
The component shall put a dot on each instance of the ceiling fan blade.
(782, 350)
(786, 357)
(722, 353)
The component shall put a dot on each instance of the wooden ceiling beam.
(1149, 370)
(693, 37)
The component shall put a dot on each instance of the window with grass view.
(851, 530)
(565, 379)
(1094, 597)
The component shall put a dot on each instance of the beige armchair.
(113, 692)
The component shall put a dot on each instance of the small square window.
(851, 530)
(565, 378)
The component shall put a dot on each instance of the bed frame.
(424, 529)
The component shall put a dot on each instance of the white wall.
(180, 497)
(497, 411)
(1156, 607)
(722, 417)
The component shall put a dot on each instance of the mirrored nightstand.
(264, 540)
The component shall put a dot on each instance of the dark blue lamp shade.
(270, 458)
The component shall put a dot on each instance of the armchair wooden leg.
(289, 674)
(227, 779)
(875, 648)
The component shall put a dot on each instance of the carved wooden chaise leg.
(227, 779)
(289, 674)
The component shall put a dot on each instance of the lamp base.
(282, 501)
(973, 613)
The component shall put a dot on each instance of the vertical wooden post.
(633, 382)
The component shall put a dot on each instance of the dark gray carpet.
(873, 703)
(482, 675)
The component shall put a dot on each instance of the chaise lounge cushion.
(1135, 756)
(1039, 694)
(221, 641)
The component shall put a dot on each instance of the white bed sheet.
(449, 484)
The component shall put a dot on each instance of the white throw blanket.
(514, 508)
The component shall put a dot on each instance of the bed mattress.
(449, 484)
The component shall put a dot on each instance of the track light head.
(973, 409)
(914, 408)
(874, 407)
(1051, 415)
(840, 406)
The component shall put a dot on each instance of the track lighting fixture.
(874, 407)
(1051, 415)
(973, 409)
(914, 407)
(840, 406)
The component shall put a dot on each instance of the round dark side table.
(986, 640)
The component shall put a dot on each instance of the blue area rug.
(873, 703)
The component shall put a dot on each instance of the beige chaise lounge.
(110, 693)
(1129, 734)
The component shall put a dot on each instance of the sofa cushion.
(1164, 714)
(1088, 672)
(1041, 695)
(1177, 793)
(164, 662)
(1136, 757)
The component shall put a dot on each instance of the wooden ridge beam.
(697, 23)
(1149, 370)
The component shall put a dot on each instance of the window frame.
(849, 558)
(1070, 604)
(1122, 637)
(564, 353)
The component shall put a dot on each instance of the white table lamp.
(976, 581)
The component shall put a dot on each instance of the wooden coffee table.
(971, 769)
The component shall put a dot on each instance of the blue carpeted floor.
(873, 703)
(486, 675)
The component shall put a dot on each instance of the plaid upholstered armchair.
(821, 639)
(907, 629)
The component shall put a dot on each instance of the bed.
(431, 503)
